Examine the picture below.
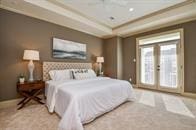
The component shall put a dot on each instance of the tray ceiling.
(107, 18)
(103, 10)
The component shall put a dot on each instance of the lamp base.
(31, 80)
(100, 68)
(31, 68)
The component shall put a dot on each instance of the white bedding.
(81, 101)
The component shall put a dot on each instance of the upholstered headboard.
(47, 66)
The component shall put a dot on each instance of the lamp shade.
(100, 59)
(31, 55)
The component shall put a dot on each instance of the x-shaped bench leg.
(30, 96)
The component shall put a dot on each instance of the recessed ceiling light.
(131, 9)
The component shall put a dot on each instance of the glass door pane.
(168, 66)
(147, 66)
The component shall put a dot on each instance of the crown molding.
(58, 13)
(44, 10)
(67, 13)
(172, 17)
(173, 23)
(156, 13)
(61, 4)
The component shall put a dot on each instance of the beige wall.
(129, 53)
(19, 32)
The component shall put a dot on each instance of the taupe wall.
(129, 53)
(119, 58)
(113, 57)
(110, 55)
(19, 32)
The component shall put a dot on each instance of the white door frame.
(181, 60)
(164, 88)
(155, 66)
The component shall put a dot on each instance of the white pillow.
(59, 75)
(83, 73)
(92, 73)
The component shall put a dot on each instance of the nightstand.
(103, 75)
(100, 75)
(30, 91)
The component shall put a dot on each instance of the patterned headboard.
(47, 66)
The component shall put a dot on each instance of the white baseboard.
(187, 94)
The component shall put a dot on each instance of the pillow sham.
(83, 73)
(59, 75)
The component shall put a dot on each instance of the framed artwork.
(68, 49)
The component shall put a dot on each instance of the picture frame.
(65, 49)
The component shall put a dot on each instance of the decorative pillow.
(59, 75)
(83, 73)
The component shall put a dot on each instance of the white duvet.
(80, 101)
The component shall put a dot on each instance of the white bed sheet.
(81, 101)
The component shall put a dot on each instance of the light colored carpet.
(151, 111)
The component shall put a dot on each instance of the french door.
(160, 66)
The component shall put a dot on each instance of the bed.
(80, 101)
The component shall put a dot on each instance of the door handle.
(158, 67)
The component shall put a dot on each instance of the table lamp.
(31, 55)
(100, 60)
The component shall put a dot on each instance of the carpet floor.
(151, 111)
